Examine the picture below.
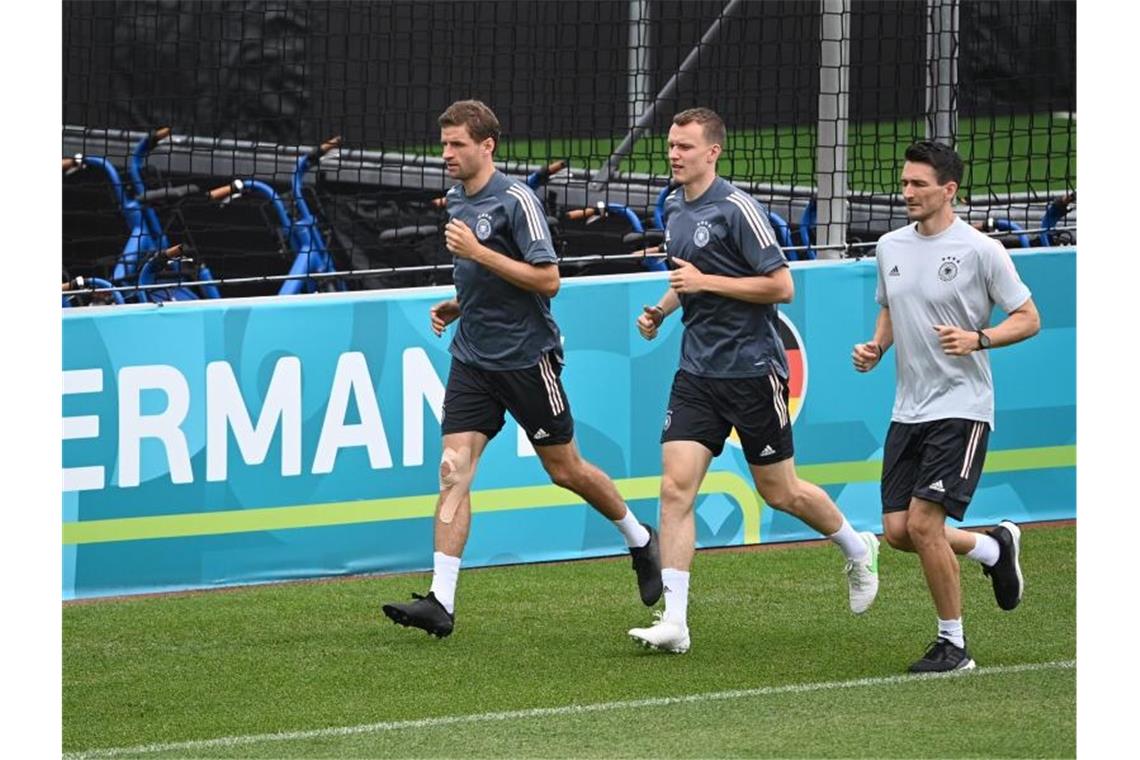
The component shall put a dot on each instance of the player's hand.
(955, 341)
(686, 278)
(460, 240)
(649, 321)
(866, 356)
(443, 314)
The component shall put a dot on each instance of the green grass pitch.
(540, 666)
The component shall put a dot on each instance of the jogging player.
(506, 356)
(939, 280)
(729, 276)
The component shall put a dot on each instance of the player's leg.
(537, 400)
(684, 464)
(693, 434)
(758, 407)
(472, 416)
(953, 456)
(568, 469)
(926, 525)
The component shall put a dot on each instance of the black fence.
(246, 88)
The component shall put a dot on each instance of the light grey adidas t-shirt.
(952, 278)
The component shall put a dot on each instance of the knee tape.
(455, 474)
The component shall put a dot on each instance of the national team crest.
(483, 227)
(702, 234)
(948, 269)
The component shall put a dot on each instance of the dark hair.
(480, 120)
(712, 124)
(945, 160)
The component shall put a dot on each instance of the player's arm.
(537, 278)
(442, 314)
(753, 237)
(774, 287)
(651, 317)
(1021, 323)
(867, 355)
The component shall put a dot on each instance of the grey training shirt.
(502, 326)
(953, 278)
(726, 232)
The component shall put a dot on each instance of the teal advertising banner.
(242, 441)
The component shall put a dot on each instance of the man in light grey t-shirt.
(939, 280)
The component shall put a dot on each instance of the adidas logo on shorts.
(937, 486)
(768, 451)
(538, 436)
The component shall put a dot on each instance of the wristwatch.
(983, 341)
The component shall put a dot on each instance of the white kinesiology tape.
(455, 476)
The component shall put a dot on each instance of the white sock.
(849, 541)
(676, 584)
(444, 577)
(987, 550)
(634, 532)
(952, 629)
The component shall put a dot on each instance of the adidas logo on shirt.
(894, 271)
(937, 486)
(538, 436)
(768, 451)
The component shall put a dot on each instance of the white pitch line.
(544, 712)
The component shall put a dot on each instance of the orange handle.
(161, 134)
(581, 213)
(221, 193)
(330, 144)
(69, 164)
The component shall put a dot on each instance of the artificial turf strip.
(298, 657)
(1005, 154)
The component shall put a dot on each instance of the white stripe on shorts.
(778, 399)
(550, 380)
(971, 449)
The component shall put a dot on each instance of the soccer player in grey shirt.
(506, 356)
(733, 373)
(939, 280)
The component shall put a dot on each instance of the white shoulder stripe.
(748, 206)
(519, 196)
(536, 222)
(759, 227)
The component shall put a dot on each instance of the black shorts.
(705, 409)
(939, 461)
(477, 398)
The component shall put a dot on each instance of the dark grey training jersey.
(726, 232)
(502, 326)
(953, 278)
